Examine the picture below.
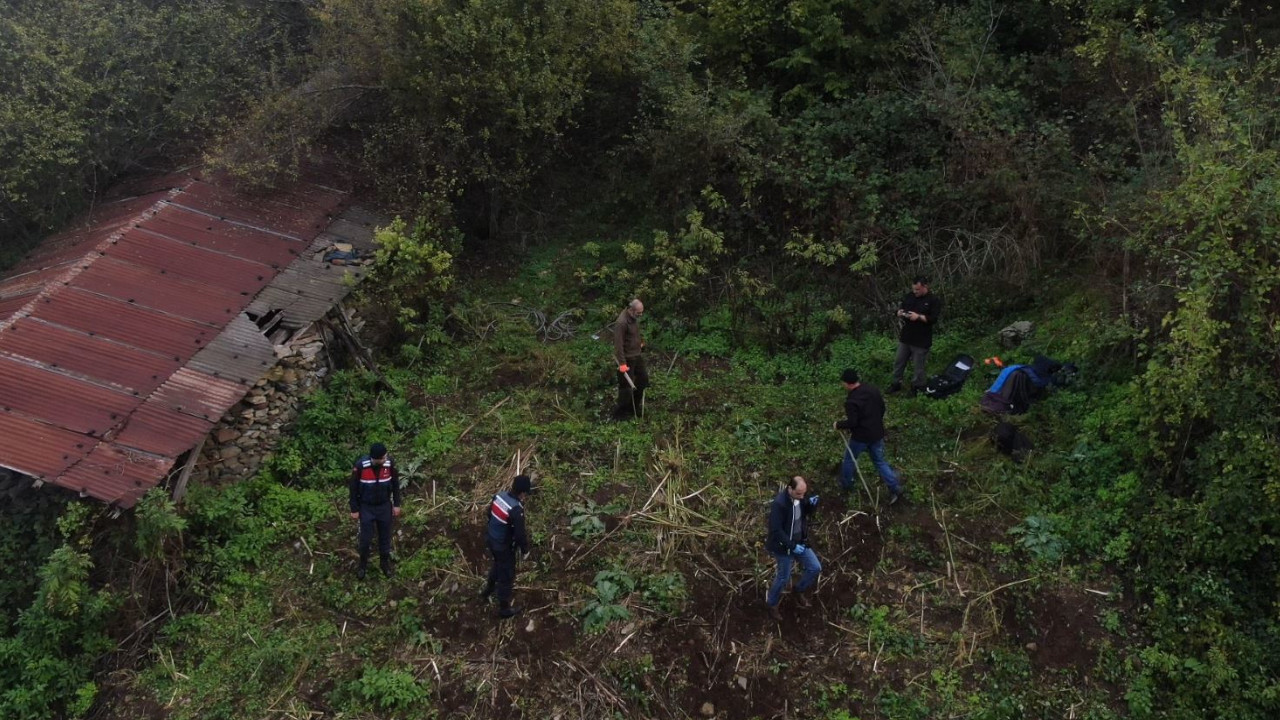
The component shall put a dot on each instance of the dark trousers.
(371, 515)
(918, 355)
(502, 574)
(631, 401)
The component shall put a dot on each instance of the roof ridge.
(99, 250)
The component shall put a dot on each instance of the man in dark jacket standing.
(633, 378)
(374, 499)
(919, 312)
(788, 542)
(506, 534)
(864, 421)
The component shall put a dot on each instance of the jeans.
(808, 561)
(919, 356)
(853, 449)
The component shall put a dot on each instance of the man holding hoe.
(628, 347)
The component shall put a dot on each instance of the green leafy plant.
(1039, 536)
(605, 606)
(390, 689)
(158, 522)
(882, 632)
(584, 520)
(666, 592)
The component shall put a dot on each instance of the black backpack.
(951, 379)
(1011, 441)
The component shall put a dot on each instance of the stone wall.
(248, 432)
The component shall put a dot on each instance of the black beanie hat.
(849, 376)
(377, 450)
(522, 484)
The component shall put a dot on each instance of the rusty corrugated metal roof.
(124, 338)
(114, 473)
(93, 357)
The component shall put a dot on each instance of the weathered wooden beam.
(180, 487)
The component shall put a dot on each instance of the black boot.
(362, 570)
(486, 592)
(509, 612)
(386, 565)
(893, 388)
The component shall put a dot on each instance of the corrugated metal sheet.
(39, 449)
(123, 322)
(162, 431)
(196, 394)
(61, 400)
(113, 473)
(14, 303)
(190, 262)
(82, 236)
(170, 294)
(210, 233)
(32, 281)
(306, 290)
(299, 214)
(103, 361)
(124, 338)
(240, 354)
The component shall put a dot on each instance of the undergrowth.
(636, 526)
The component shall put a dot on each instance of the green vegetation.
(766, 175)
(91, 89)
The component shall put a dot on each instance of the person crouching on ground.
(788, 542)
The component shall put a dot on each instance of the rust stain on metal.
(124, 338)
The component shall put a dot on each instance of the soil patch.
(1059, 627)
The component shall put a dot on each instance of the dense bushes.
(90, 89)
(788, 164)
(48, 656)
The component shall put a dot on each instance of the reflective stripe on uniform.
(380, 475)
(500, 509)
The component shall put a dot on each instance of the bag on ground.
(951, 380)
(1011, 441)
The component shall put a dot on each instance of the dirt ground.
(723, 653)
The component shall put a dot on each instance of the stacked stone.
(249, 431)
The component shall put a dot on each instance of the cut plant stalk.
(875, 503)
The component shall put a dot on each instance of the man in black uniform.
(374, 500)
(919, 312)
(633, 378)
(506, 535)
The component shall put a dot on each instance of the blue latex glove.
(799, 549)
(813, 501)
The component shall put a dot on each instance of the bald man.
(633, 378)
(788, 542)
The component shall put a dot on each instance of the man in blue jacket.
(374, 491)
(788, 542)
(505, 536)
